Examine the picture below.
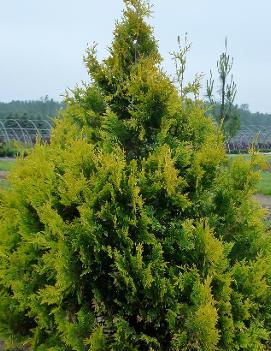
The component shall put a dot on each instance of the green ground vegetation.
(264, 185)
(6, 164)
(37, 110)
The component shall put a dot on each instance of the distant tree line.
(37, 110)
(257, 119)
(22, 121)
(45, 109)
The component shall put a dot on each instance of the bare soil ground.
(3, 175)
(264, 200)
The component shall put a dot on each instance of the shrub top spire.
(133, 44)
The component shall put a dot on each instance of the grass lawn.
(6, 164)
(264, 186)
(266, 156)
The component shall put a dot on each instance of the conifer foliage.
(131, 231)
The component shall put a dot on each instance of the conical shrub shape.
(131, 230)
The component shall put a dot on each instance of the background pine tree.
(131, 230)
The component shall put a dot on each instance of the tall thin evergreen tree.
(224, 110)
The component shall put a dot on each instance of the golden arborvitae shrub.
(131, 230)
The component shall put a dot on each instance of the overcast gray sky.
(42, 42)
